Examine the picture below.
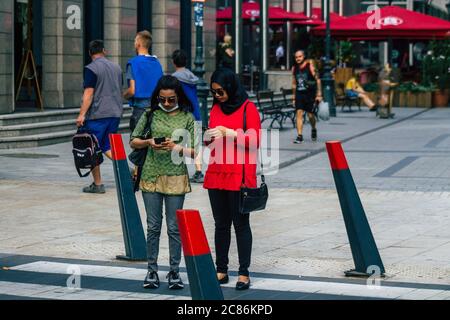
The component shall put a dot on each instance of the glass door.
(28, 54)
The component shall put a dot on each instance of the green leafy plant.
(414, 87)
(371, 87)
(436, 65)
(346, 53)
(316, 49)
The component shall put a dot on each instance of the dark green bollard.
(199, 264)
(133, 232)
(364, 249)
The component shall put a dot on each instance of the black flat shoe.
(243, 285)
(224, 280)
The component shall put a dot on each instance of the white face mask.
(170, 110)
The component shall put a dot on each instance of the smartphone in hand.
(159, 140)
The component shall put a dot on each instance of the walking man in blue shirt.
(143, 73)
(102, 106)
(189, 83)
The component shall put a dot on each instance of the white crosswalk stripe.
(64, 293)
(282, 285)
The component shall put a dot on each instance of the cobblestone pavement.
(401, 171)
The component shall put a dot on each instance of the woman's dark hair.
(171, 83)
(179, 58)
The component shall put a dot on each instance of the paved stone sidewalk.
(68, 279)
(44, 214)
(55, 162)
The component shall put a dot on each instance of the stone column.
(166, 31)
(210, 45)
(120, 30)
(62, 55)
(6, 57)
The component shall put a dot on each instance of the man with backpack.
(102, 106)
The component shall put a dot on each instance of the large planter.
(440, 98)
(407, 99)
(414, 99)
(424, 99)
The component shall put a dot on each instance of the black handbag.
(138, 156)
(252, 199)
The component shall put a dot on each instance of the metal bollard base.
(126, 258)
(354, 273)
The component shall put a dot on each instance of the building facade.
(58, 32)
(62, 29)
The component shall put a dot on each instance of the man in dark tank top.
(307, 89)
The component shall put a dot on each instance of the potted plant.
(346, 54)
(316, 52)
(436, 71)
(414, 95)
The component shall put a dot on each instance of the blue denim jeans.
(154, 207)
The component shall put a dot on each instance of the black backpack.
(86, 152)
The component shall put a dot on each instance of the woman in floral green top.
(164, 175)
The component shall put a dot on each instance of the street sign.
(198, 14)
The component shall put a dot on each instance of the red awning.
(391, 22)
(316, 18)
(250, 11)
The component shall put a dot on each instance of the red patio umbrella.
(316, 18)
(251, 11)
(390, 22)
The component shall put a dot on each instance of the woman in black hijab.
(225, 175)
(227, 82)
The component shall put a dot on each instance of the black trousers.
(225, 208)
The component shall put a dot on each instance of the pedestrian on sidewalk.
(225, 53)
(163, 179)
(233, 160)
(143, 73)
(101, 107)
(189, 83)
(279, 54)
(388, 79)
(307, 90)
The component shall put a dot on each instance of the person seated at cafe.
(353, 89)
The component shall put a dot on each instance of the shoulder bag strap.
(148, 125)
(147, 134)
(263, 178)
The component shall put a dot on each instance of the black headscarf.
(229, 81)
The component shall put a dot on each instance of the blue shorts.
(351, 93)
(102, 128)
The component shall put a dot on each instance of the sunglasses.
(170, 100)
(218, 92)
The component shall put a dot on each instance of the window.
(144, 12)
(93, 24)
